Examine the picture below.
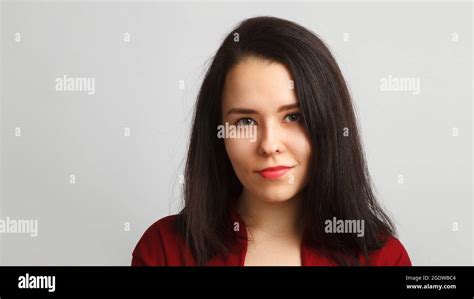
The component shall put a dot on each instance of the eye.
(245, 122)
(293, 117)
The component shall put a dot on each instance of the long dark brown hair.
(339, 184)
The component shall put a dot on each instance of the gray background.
(135, 179)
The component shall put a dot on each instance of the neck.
(277, 219)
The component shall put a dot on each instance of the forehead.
(258, 84)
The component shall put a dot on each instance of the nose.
(270, 140)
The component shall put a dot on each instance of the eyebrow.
(251, 111)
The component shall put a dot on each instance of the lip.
(274, 172)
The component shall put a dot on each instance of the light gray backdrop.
(96, 170)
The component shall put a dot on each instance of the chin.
(274, 195)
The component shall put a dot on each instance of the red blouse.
(161, 246)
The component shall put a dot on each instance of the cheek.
(240, 152)
(300, 146)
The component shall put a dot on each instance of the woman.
(295, 193)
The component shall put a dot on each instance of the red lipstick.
(273, 172)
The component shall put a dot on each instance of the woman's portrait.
(291, 147)
(286, 183)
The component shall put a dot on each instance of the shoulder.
(164, 225)
(392, 253)
(159, 244)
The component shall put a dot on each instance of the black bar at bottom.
(312, 282)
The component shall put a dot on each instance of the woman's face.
(259, 95)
